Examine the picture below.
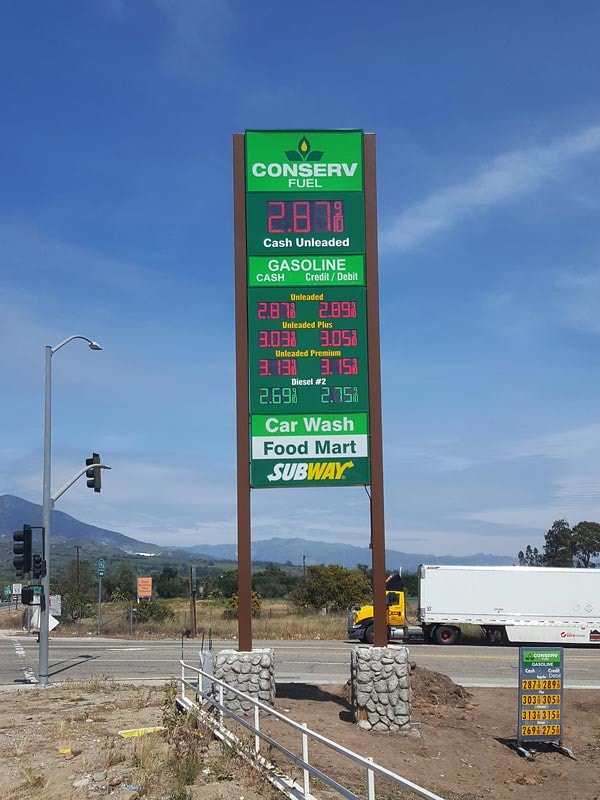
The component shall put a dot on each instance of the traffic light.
(27, 595)
(93, 475)
(22, 556)
(37, 567)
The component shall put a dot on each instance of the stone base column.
(250, 672)
(381, 688)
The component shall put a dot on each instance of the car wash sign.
(308, 371)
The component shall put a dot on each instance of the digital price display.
(308, 370)
(332, 223)
(301, 340)
(305, 216)
(540, 695)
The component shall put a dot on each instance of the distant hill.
(68, 532)
(293, 550)
(15, 512)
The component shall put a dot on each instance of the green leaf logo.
(304, 152)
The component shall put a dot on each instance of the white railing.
(215, 697)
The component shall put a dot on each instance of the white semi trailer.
(551, 605)
(529, 605)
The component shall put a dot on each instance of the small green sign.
(101, 567)
(313, 270)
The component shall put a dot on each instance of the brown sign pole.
(243, 437)
(244, 478)
(380, 638)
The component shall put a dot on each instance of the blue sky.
(116, 223)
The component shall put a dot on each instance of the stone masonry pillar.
(250, 672)
(381, 695)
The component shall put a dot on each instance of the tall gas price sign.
(307, 320)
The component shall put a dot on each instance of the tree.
(586, 540)
(531, 557)
(168, 583)
(273, 581)
(231, 606)
(227, 583)
(559, 548)
(77, 587)
(121, 583)
(333, 587)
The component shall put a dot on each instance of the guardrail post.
(257, 726)
(370, 781)
(182, 681)
(306, 774)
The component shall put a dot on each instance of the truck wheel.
(369, 635)
(446, 634)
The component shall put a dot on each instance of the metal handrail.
(372, 768)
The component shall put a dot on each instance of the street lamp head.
(95, 346)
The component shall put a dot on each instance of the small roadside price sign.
(540, 695)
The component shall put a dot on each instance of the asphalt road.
(313, 662)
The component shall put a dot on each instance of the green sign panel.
(540, 694)
(292, 161)
(307, 308)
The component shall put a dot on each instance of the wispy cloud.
(506, 176)
(197, 39)
(580, 300)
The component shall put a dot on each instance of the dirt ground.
(63, 743)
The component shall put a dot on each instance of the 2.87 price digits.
(275, 310)
(282, 367)
(531, 684)
(305, 216)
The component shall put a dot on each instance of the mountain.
(95, 542)
(15, 512)
(294, 551)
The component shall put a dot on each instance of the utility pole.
(192, 605)
(78, 548)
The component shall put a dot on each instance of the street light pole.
(47, 504)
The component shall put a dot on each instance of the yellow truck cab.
(360, 619)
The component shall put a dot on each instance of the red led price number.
(337, 309)
(282, 367)
(275, 310)
(305, 216)
(277, 338)
(339, 366)
(342, 337)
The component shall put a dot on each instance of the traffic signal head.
(22, 555)
(27, 595)
(38, 569)
(94, 474)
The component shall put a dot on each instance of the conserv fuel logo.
(304, 152)
(293, 160)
